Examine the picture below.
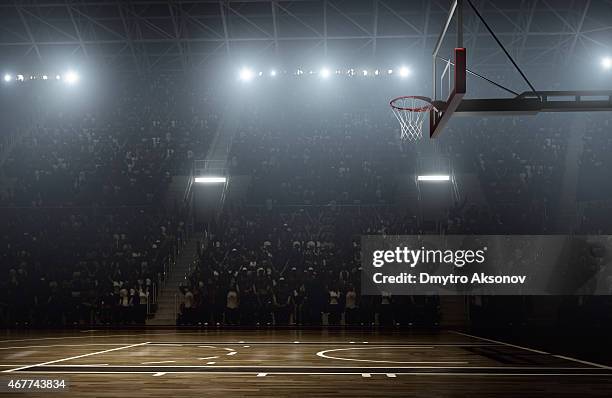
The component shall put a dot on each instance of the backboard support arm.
(529, 103)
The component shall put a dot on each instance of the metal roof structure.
(148, 35)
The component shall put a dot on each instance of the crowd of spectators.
(122, 153)
(595, 163)
(86, 231)
(87, 235)
(322, 177)
(520, 163)
(295, 266)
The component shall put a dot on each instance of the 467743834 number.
(18, 384)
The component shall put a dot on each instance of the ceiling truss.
(146, 35)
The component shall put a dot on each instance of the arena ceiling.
(188, 34)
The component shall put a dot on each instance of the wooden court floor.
(286, 363)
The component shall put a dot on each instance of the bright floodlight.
(606, 63)
(71, 77)
(365, 72)
(272, 73)
(210, 180)
(434, 177)
(246, 74)
(390, 71)
(8, 78)
(57, 77)
(325, 73)
(45, 77)
(20, 78)
(404, 72)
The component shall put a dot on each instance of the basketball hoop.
(410, 111)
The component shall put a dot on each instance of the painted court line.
(332, 374)
(502, 343)
(328, 343)
(323, 354)
(163, 367)
(584, 362)
(74, 357)
(59, 345)
(154, 362)
(537, 351)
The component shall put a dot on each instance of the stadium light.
(434, 177)
(210, 180)
(365, 72)
(404, 71)
(71, 77)
(606, 63)
(57, 77)
(20, 78)
(246, 74)
(45, 77)
(8, 78)
(272, 73)
(324, 73)
(390, 71)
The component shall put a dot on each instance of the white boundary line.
(156, 362)
(537, 351)
(327, 367)
(74, 357)
(502, 343)
(332, 374)
(584, 362)
(61, 345)
(81, 337)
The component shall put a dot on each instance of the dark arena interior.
(306, 198)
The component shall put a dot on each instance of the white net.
(411, 113)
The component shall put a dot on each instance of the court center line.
(536, 351)
(74, 357)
